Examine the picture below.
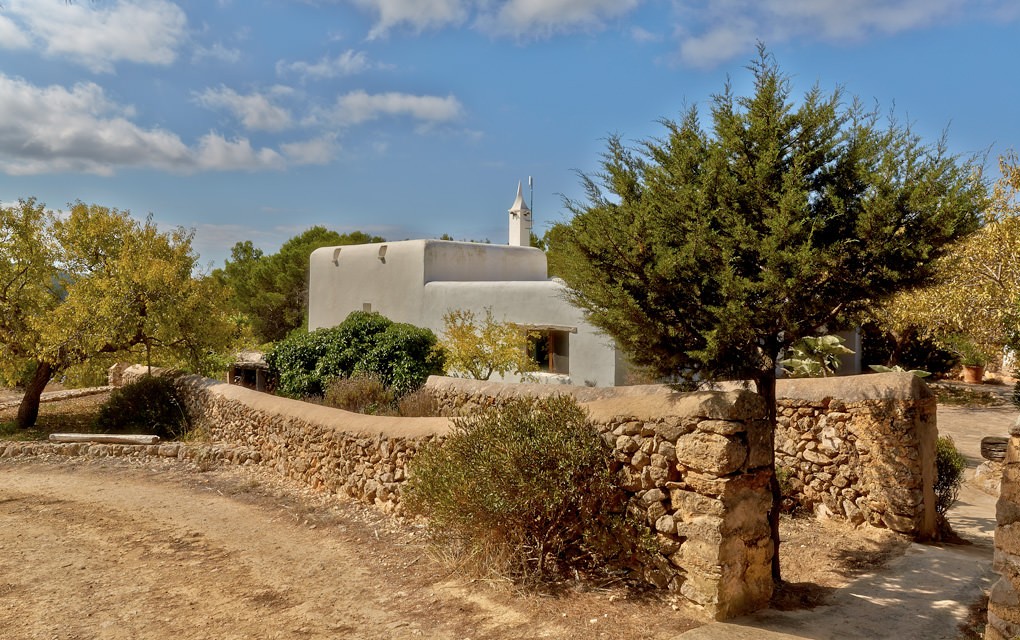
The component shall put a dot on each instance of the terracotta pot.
(974, 374)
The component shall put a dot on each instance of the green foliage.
(272, 290)
(97, 282)
(966, 350)
(976, 287)
(949, 468)
(481, 347)
(525, 486)
(906, 346)
(879, 368)
(402, 356)
(705, 253)
(1015, 396)
(150, 405)
(815, 356)
(360, 394)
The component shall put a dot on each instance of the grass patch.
(76, 415)
(961, 397)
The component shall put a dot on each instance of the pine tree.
(705, 254)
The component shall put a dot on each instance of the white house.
(418, 281)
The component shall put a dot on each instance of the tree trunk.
(28, 411)
(767, 390)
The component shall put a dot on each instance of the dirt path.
(107, 550)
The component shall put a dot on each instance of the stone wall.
(349, 454)
(697, 467)
(862, 448)
(1004, 600)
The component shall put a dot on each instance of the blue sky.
(255, 120)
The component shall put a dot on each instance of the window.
(550, 348)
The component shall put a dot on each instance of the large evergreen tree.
(272, 290)
(705, 254)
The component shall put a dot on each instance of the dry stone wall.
(1004, 599)
(696, 467)
(862, 448)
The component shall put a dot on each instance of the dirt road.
(110, 550)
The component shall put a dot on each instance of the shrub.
(949, 465)
(361, 394)
(401, 355)
(523, 487)
(149, 405)
(418, 404)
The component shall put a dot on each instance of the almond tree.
(706, 253)
(96, 281)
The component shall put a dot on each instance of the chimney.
(520, 221)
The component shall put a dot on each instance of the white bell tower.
(520, 221)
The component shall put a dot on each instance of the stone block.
(689, 503)
(722, 427)
(710, 452)
(665, 524)
(1007, 538)
(703, 528)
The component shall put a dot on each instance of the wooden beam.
(103, 438)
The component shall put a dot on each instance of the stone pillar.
(1004, 600)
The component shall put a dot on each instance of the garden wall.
(696, 469)
(860, 447)
(1004, 600)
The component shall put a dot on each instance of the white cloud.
(256, 111)
(55, 129)
(11, 36)
(358, 106)
(540, 17)
(642, 36)
(505, 17)
(348, 63)
(315, 151)
(712, 32)
(215, 152)
(100, 35)
(216, 52)
(416, 14)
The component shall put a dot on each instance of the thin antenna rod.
(531, 186)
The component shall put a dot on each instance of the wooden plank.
(103, 438)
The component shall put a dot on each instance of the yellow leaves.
(121, 283)
(977, 283)
(480, 347)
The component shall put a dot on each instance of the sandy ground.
(110, 550)
(114, 549)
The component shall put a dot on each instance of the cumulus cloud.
(713, 31)
(348, 63)
(416, 14)
(55, 129)
(505, 17)
(358, 106)
(256, 111)
(538, 17)
(101, 35)
(315, 151)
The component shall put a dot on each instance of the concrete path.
(923, 594)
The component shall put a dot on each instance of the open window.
(550, 348)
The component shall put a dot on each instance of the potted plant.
(972, 358)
